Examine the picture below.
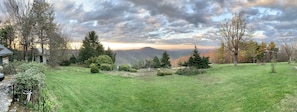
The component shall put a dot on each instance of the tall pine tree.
(91, 47)
(111, 54)
(156, 62)
(196, 61)
(165, 63)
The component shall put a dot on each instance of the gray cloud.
(194, 12)
(172, 21)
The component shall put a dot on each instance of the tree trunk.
(235, 58)
(289, 60)
(42, 45)
(25, 52)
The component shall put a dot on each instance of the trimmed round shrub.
(163, 73)
(94, 70)
(106, 67)
(104, 59)
(124, 68)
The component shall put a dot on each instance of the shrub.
(104, 59)
(90, 61)
(106, 67)
(132, 70)
(48, 102)
(65, 63)
(9, 69)
(138, 65)
(38, 67)
(94, 69)
(93, 65)
(163, 73)
(189, 71)
(124, 68)
(30, 80)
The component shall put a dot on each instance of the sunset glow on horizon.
(128, 46)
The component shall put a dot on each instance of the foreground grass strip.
(223, 88)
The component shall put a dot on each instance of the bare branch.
(233, 33)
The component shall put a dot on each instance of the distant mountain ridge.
(134, 55)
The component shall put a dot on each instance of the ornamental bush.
(90, 61)
(38, 67)
(190, 71)
(9, 69)
(124, 68)
(101, 60)
(32, 80)
(104, 59)
(163, 73)
(106, 67)
(94, 69)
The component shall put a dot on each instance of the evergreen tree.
(196, 61)
(156, 62)
(165, 63)
(86, 51)
(205, 62)
(91, 47)
(111, 54)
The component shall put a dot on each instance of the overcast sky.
(173, 22)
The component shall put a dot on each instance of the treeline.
(251, 52)
(31, 24)
(156, 62)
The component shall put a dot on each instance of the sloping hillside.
(135, 55)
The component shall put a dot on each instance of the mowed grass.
(246, 88)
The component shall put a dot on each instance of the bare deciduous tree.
(233, 33)
(21, 12)
(288, 47)
(43, 15)
(34, 21)
(58, 46)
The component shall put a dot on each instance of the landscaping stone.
(5, 94)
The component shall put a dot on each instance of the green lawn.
(246, 88)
